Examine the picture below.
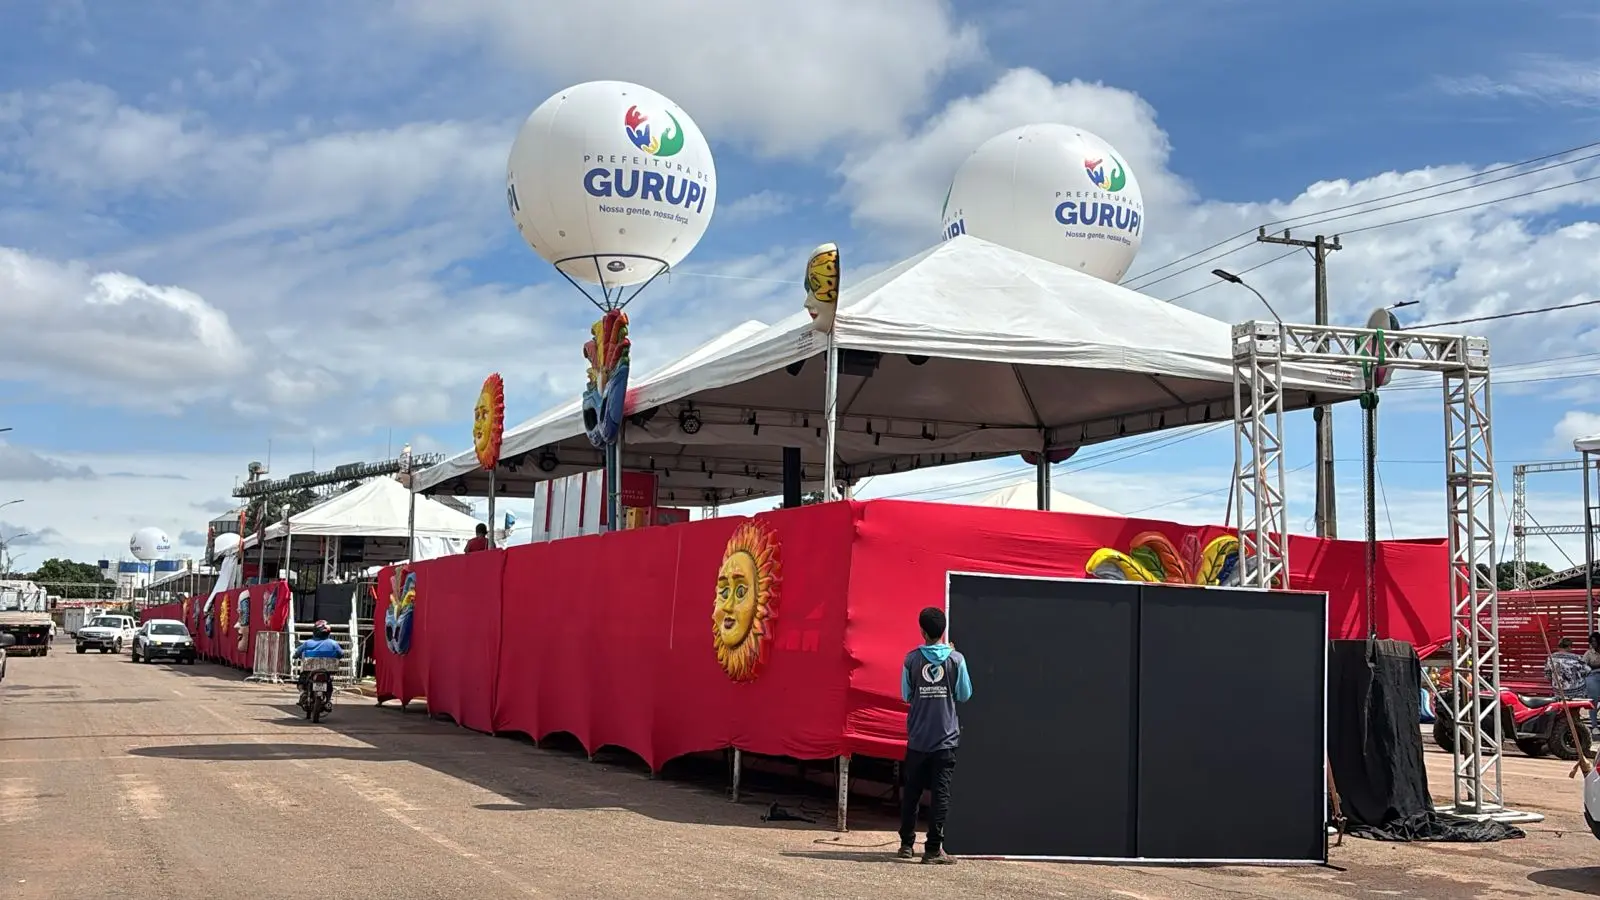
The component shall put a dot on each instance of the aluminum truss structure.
(1520, 529)
(1260, 350)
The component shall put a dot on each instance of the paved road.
(124, 780)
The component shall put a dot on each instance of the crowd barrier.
(784, 633)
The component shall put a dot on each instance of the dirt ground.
(127, 780)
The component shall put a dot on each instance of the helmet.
(319, 629)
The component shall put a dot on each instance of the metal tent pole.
(492, 542)
(830, 407)
(1588, 540)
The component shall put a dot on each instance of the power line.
(1456, 209)
(1378, 204)
(1507, 315)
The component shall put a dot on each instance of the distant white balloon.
(224, 543)
(1052, 191)
(149, 543)
(606, 177)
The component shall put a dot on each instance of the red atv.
(1538, 725)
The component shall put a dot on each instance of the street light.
(1231, 278)
(8, 503)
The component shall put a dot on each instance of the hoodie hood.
(935, 653)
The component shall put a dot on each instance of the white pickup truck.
(106, 633)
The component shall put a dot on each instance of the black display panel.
(1127, 720)
(1231, 724)
(1047, 743)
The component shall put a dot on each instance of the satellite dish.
(611, 182)
(1383, 319)
(225, 543)
(1052, 191)
(149, 543)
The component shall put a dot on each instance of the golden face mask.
(748, 584)
(822, 286)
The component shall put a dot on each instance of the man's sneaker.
(938, 858)
(906, 852)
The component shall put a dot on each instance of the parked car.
(106, 633)
(163, 639)
(6, 640)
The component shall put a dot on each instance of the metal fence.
(272, 657)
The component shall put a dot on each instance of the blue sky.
(304, 203)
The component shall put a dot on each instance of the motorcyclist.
(319, 646)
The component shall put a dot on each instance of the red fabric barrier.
(611, 639)
(462, 594)
(162, 611)
(903, 550)
(607, 637)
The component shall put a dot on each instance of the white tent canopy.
(375, 512)
(1025, 495)
(966, 351)
(1590, 444)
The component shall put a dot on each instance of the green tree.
(1505, 573)
(72, 580)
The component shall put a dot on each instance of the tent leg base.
(1492, 814)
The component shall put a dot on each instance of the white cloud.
(22, 464)
(1574, 425)
(109, 332)
(1536, 77)
(784, 78)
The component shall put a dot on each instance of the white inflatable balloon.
(611, 170)
(1052, 191)
(149, 543)
(225, 543)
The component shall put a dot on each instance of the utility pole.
(1327, 514)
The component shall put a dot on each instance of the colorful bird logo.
(1115, 181)
(665, 143)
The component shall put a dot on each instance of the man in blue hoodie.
(933, 680)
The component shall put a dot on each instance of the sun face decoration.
(397, 621)
(822, 286)
(749, 584)
(222, 616)
(489, 421)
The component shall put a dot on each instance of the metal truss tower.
(1260, 352)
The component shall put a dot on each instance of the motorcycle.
(1537, 725)
(317, 697)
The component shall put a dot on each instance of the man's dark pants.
(926, 771)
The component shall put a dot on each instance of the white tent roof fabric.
(1590, 444)
(965, 351)
(374, 509)
(1025, 495)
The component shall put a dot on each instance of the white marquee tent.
(1025, 495)
(965, 351)
(375, 513)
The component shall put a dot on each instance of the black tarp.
(1375, 748)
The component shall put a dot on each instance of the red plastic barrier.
(612, 637)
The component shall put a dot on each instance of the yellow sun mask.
(748, 585)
